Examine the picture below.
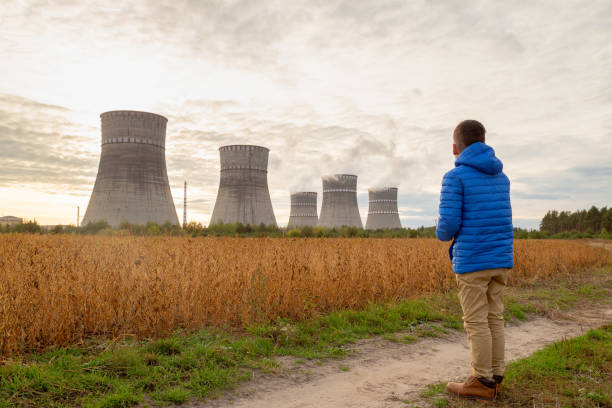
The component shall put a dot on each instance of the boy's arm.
(451, 205)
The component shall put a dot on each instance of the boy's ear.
(455, 150)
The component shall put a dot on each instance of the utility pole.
(78, 215)
(185, 206)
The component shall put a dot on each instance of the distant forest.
(592, 221)
(195, 229)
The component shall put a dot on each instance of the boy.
(475, 211)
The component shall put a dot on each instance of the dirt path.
(385, 374)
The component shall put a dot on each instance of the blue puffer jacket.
(475, 210)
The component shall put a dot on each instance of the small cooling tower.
(339, 207)
(303, 210)
(382, 211)
(243, 188)
(132, 182)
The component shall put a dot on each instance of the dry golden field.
(57, 290)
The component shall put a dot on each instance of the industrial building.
(303, 210)
(243, 195)
(382, 209)
(339, 207)
(132, 182)
(10, 220)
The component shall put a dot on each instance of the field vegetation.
(238, 230)
(569, 373)
(124, 371)
(63, 289)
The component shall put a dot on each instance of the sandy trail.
(384, 374)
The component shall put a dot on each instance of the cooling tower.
(243, 189)
(303, 210)
(382, 211)
(339, 207)
(132, 182)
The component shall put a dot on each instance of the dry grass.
(57, 290)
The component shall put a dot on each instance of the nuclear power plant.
(132, 182)
(339, 207)
(243, 189)
(382, 209)
(303, 210)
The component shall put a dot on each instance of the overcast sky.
(373, 88)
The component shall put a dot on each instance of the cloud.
(14, 101)
(358, 86)
(38, 147)
(574, 183)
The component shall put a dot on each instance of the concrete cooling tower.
(132, 182)
(382, 211)
(339, 207)
(303, 210)
(243, 189)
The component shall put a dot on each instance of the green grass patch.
(123, 397)
(434, 395)
(186, 365)
(515, 310)
(433, 390)
(575, 372)
(587, 287)
(173, 395)
(409, 339)
(570, 373)
(166, 347)
(201, 364)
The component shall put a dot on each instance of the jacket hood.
(481, 157)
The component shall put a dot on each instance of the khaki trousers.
(481, 298)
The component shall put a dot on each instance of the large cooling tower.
(132, 182)
(339, 207)
(303, 210)
(382, 211)
(243, 189)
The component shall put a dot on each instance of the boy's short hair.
(468, 132)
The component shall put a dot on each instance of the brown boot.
(473, 388)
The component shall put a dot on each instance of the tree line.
(195, 229)
(592, 221)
